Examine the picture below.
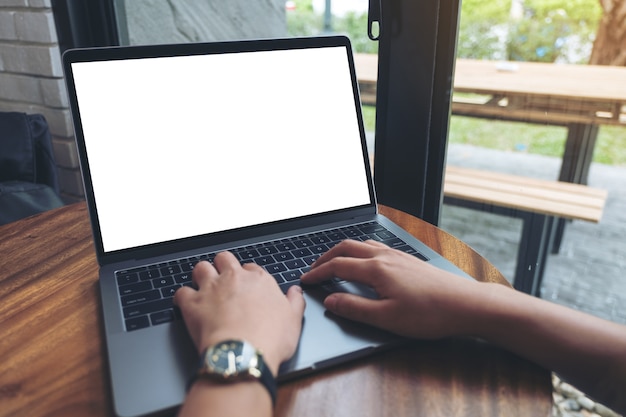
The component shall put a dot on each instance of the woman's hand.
(241, 302)
(416, 299)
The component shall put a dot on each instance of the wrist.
(235, 361)
(487, 309)
(245, 398)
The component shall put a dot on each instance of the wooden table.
(53, 359)
(578, 97)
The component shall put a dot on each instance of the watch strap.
(266, 379)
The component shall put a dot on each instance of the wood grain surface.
(54, 362)
(536, 92)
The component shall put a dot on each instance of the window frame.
(417, 53)
(81, 24)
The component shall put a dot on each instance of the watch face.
(232, 358)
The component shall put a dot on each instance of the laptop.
(257, 147)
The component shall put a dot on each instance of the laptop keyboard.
(146, 292)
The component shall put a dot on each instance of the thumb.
(296, 299)
(354, 307)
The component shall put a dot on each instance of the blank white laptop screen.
(183, 146)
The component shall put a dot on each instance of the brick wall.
(31, 80)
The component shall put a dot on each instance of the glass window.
(538, 95)
(153, 22)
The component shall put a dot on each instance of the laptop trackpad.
(328, 339)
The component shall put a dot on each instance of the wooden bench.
(537, 202)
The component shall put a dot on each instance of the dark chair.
(28, 176)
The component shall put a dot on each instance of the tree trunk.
(609, 47)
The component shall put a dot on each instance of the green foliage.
(536, 40)
(574, 10)
(303, 25)
(354, 26)
(548, 31)
(304, 6)
(478, 40)
(493, 10)
(303, 21)
(550, 35)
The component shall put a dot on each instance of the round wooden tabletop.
(54, 360)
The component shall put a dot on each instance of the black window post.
(81, 23)
(417, 47)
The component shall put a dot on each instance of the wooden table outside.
(53, 351)
(579, 97)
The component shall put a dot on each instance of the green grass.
(525, 137)
(611, 146)
(369, 118)
(508, 136)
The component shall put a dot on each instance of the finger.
(376, 244)
(349, 269)
(296, 299)
(348, 248)
(225, 261)
(355, 308)
(251, 266)
(202, 272)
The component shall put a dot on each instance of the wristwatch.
(235, 360)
